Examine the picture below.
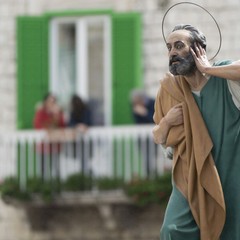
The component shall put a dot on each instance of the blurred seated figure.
(80, 119)
(142, 110)
(142, 107)
(49, 116)
(80, 116)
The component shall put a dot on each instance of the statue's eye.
(179, 46)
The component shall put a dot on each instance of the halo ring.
(195, 4)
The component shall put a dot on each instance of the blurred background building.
(100, 50)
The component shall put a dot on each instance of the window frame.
(82, 57)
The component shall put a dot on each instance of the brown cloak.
(194, 170)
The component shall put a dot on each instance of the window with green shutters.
(127, 71)
(33, 63)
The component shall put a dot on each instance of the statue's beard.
(182, 66)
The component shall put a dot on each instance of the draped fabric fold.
(194, 170)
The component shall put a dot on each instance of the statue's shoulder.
(167, 79)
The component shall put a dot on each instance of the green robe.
(222, 119)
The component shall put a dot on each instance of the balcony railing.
(117, 152)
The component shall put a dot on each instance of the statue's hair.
(195, 35)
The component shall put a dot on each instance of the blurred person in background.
(143, 110)
(142, 107)
(49, 116)
(80, 116)
(80, 119)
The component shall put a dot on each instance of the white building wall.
(155, 61)
(154, 50)
(8, 11)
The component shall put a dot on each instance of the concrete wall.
(154, 52)
(111, 218)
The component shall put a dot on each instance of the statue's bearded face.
(181, 61)
(182, 65)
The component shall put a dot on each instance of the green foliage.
(142, 191)
(46, 189)
(148, 191)
(34, 185)
(107, 183)
(10, 188)
(78, 182)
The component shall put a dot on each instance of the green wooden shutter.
(126, 60)
(32, 63)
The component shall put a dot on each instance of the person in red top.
(49, 116)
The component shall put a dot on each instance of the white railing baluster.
(87, 158)
(119, 156)
(22, 167)
(79, 149)
(38, 158)
(30, 158)
(127, 160)
(152, 157)
(117, 151)
(109, 155)
(12, 166)
(136, 156)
